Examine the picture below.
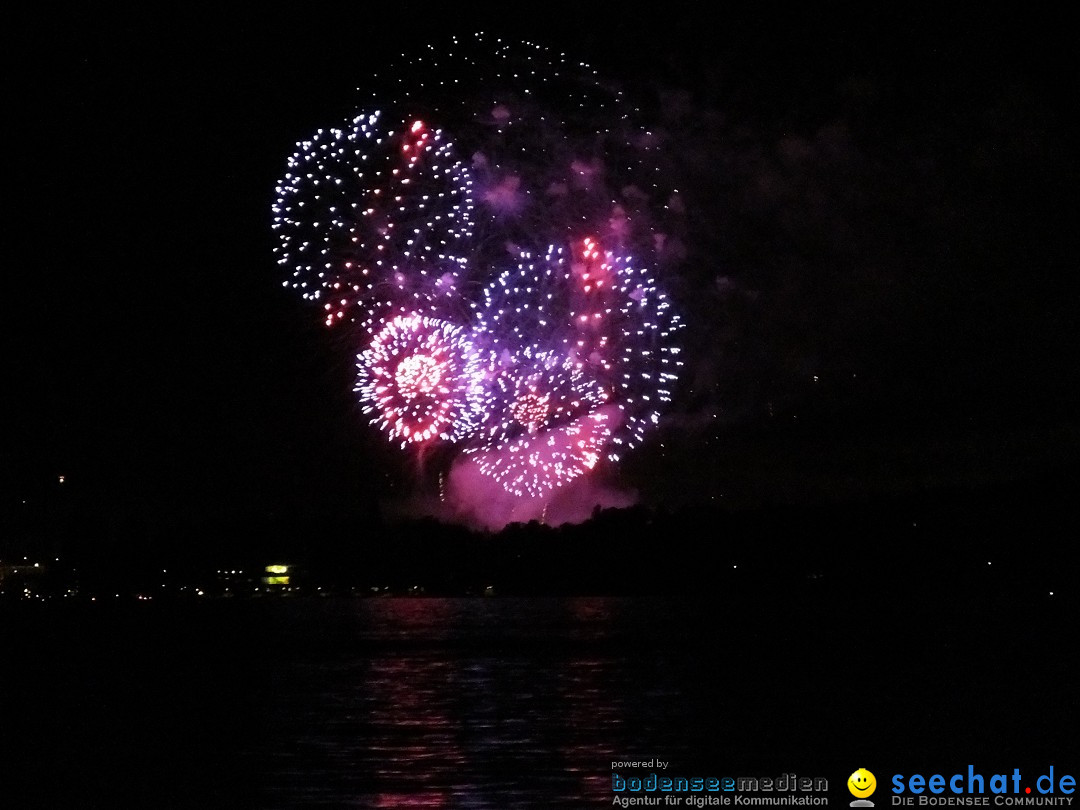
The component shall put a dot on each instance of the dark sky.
(881, 284)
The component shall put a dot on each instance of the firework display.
(486, 240)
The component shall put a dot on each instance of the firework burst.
(421, 379)
(600, 311)
(531, 393)
(371, 219)
(534, 463)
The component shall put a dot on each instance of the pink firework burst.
(536, 462)
(420, 378)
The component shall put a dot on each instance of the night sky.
(880, 285)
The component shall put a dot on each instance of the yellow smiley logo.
(861, 783)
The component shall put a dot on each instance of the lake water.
(515, 703)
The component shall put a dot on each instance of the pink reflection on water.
(386, 800)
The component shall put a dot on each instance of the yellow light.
(277, 569)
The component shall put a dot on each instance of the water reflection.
(471, 703)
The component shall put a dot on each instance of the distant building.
(277, 576)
